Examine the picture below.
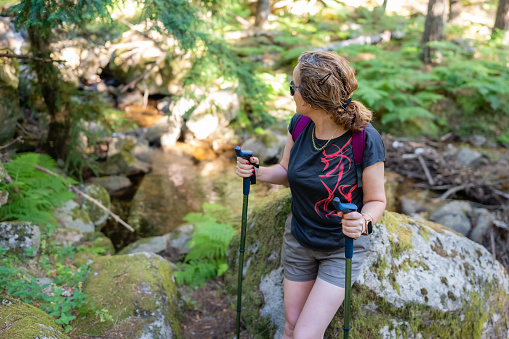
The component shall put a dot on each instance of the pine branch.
(86, 196)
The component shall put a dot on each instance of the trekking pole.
(246, 186)
(347, 208)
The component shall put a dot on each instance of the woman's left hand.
(353, 224)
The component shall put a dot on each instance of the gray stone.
(16, 236)
(179, 238)
(71, 215)
(152, 244)
(266, 147)
(471, 158)
(128, 99)
(477, 140)
(482, 220)
(97, 215)
(410, 206)
(113, 183)
(455, 215)
(124, 163)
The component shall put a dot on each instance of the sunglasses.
(292, 88)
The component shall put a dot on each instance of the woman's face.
(301, 106)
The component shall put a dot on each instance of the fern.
(209, 244)
(33, 194)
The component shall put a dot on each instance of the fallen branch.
(28, 57)
(86, 196)
(20, 139)
(426, 170)
(143, 76)
(454, 190)
(492, 239)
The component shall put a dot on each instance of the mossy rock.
(22, 321)
(139, 293)
(419, 280)
(18, 236)
(98, 216)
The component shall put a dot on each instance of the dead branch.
(20, 139)
(86, 196)
(143, 76)
(28, 57)
(426, 170)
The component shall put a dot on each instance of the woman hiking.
(319, 166)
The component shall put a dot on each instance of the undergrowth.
(208, 245)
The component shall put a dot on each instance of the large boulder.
(419, 280)
(18, 236)
(138, 291)
(22, 321)
(9, 97)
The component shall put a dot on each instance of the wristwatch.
(368, 222)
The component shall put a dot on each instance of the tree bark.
(56, 100)
(262, 12)
(454, 11)
(433, 28)
(502, 18)
(384, 6)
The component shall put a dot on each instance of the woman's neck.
(325, 127)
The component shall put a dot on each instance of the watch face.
(370, 226)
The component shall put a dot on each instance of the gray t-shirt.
(317, 177)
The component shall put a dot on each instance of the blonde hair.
(326, 82)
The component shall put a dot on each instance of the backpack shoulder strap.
(358, 141)
(299, 126)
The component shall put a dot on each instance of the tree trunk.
(384, 6)
(433, 28)
(454, 11)
(262, 12)
(502, 18)
(56, 100)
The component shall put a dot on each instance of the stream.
(178, 185)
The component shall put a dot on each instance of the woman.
(319, 166)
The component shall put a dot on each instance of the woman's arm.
(374, 201)
(374, 191)
(274, 174)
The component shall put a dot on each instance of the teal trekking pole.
(246, 187)
(347, 208)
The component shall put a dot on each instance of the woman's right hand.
(244, 168)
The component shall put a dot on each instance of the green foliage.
(53, 298)
(209, 243)
(33, 194)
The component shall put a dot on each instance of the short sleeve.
(374, 150)
(293, 122)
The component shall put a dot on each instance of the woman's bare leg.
(295, 296)
(320, 307)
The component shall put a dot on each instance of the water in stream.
(178, 185)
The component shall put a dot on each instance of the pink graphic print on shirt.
(333, 156)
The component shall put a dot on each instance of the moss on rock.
(98, 216)
(22, 321)
(409, 286)
(138, 291)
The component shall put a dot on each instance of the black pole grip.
(246, 154)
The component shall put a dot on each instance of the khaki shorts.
(302, 264)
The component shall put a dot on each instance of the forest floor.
(209, 313)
